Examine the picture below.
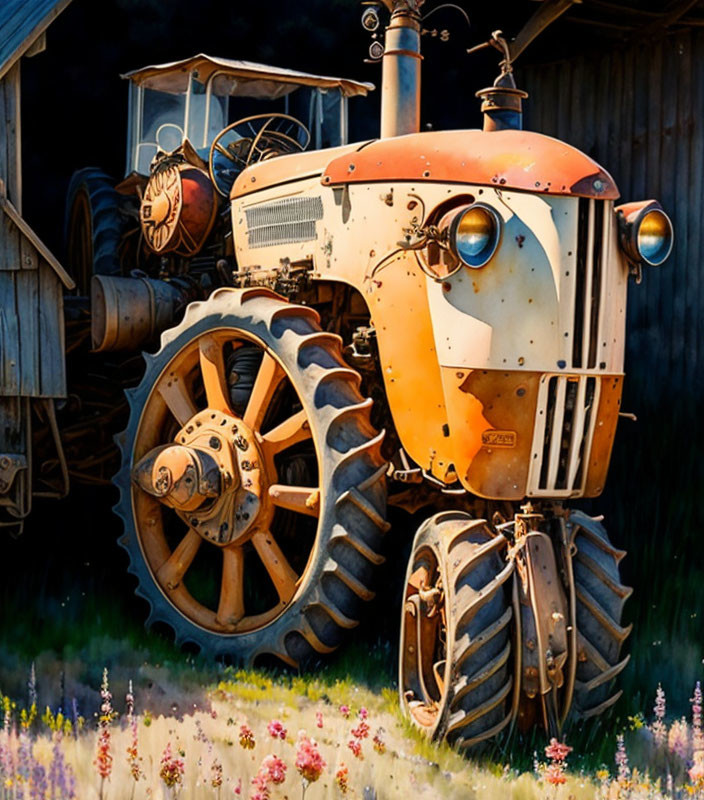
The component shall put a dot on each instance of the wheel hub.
(213, 476)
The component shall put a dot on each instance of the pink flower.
(319, 719)
(345, 711)
(238, 788)
(103, 758)
(341, 779)
(363, 713)
(697, 735)
(247, 737)
(696, 773)
(361, 731)
(309, 762)
(554, 774)
(557, 751)
(621, 759)
(678, 738)
(355, 746)
(172, 768)
(658, 727)
(379, 743)
(274, 769)
(276, 729)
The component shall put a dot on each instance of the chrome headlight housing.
(474, 234)
(645, 232)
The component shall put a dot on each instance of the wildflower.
(345, 711)
(172, 768)
(696, 772)
(276, 729)
(355, 746)
(658, 727)
(216, 774)
(697, 735)
(621, 759)
(557, 751)
(133, 758)
(341, 779)
(238, 788)
(363, 713)
(554, 773)
(379, 743)
(62, 781)
(103, 758)
(37, 782)
(678, 738)
(319, 719)
(309, 762)
(274, 769)
(247, 737)
(361, 731)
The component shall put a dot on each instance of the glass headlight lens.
(655, 237)
(475, 234)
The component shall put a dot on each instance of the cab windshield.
(162, 120)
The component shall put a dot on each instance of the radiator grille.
(592, 237)
(284, 221)
(563, 434)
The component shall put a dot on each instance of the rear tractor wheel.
(252, 486)
(455, 664)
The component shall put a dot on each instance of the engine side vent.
(592, 234)
(563, 434)
(284, 221)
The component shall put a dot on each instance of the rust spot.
(411, 205)
(475, 287)
(446, 287)
(520, 239)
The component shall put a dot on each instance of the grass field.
(68, 606)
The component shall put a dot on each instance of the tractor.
(427, 321)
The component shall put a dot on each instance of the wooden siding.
(11, 136)
(640, 113)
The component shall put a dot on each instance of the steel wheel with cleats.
(252, 486)
(455, 664)
(600, 597)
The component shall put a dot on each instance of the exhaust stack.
(400, 84)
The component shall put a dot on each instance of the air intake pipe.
(502, 104)
(400, 79)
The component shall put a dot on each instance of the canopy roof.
(238, 78)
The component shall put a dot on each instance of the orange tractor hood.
(510, 159)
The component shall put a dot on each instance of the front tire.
(600, 597)
(455, 664)
(289, 385)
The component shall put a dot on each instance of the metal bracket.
(10, 465)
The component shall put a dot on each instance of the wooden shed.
(32, 281)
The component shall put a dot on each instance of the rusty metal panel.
(640, 111)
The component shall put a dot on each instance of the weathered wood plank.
(27, 300)
(3, 135)
(51, 333)
(29, 258)
(9, 337)
(13, 123)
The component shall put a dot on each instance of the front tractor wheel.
(455, 660)
(252, 486)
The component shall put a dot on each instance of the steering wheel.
(253, 139)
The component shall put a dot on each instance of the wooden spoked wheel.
(252, 484)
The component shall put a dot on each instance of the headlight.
(654, 238)
(646, 232)
(474, 234)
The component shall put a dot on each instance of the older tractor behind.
(428, 320)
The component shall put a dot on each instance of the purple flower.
(62, 781)
(697, 735)
(621, 759)
(658, 727)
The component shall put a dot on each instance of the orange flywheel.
(178, 209)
